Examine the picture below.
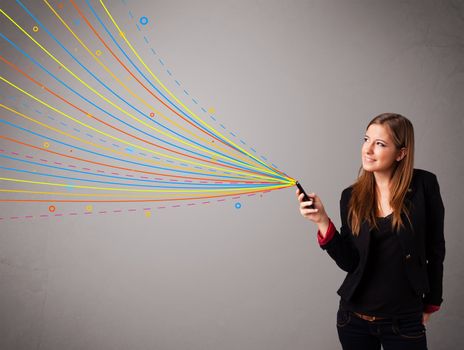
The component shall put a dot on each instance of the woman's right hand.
(316, 214)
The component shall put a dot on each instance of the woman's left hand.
(425, 318)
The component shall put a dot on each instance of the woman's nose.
(368, 147)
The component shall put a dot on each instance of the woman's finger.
(309, 211)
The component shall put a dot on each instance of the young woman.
(391, 242)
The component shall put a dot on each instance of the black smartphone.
(305, 195)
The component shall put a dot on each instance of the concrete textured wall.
(299, 80)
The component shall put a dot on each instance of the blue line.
(191, 185)
(77, 61)
(116, 95)
(120, 120)
(107, 156)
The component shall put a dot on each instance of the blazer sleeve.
(435, 241)
(341, 247)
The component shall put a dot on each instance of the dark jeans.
(393, 334)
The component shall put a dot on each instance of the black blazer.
(422, 241)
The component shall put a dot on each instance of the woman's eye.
(380, 144)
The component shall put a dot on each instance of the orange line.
(128, 169)
(148, 90)
(113, 127)
(131, 201)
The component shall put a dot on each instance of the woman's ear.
(402, 154)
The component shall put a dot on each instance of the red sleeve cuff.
(328, 236)
(431, 308)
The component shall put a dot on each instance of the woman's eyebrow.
(377, 139)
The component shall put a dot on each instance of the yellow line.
(137, 190)
(177, 195)
(113, 137)
(104, 98)
(150, 106)
(174, 97)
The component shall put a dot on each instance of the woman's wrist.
(323, 226)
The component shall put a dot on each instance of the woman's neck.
(382, 181)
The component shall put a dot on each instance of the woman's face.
(379, 153)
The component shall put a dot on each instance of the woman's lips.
(368, 159)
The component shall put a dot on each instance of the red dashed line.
(119, 210)
(114, 173)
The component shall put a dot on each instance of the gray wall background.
(299, 80)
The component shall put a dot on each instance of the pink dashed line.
(101, 171)
(120, 210)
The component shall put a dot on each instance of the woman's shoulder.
(346, 194)
(421, 175)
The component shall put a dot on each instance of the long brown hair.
(363, 205)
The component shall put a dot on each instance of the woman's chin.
(368, 168)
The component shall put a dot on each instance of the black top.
(384, 289)
(421, 238)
